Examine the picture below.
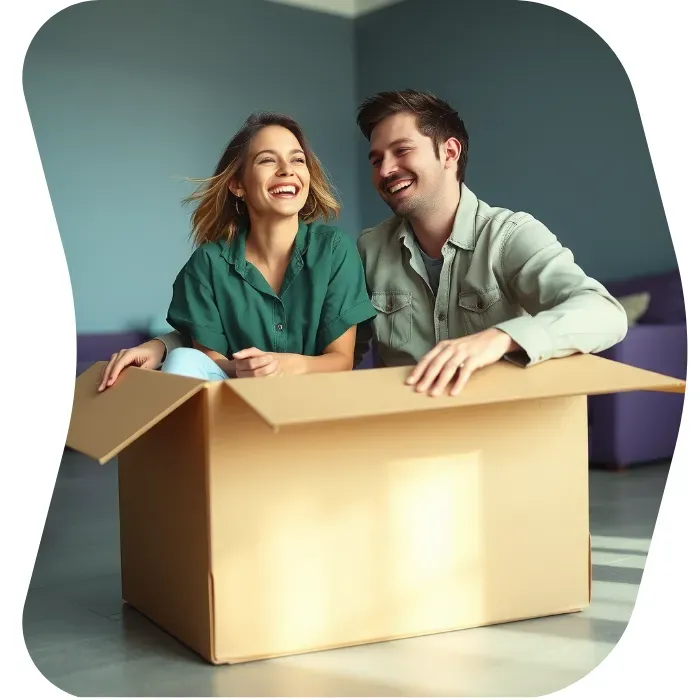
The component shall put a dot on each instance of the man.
(457, 284)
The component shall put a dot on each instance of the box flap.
(297, 400)
(103, 424)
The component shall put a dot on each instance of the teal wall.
(129, 97)
(553, 122)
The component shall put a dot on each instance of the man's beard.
(406, 207)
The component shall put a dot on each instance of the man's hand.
(461, 357)
(252, 362)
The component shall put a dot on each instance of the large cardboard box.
(266, 517)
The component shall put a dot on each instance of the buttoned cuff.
(531, 337)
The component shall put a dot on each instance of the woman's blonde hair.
(220, 213)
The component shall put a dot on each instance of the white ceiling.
(344, 8)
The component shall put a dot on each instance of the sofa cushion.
(666, 304)
(635, 306)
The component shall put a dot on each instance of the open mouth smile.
(399, 187)
(284, 191)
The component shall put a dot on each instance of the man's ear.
(452, 149)
(236, 189)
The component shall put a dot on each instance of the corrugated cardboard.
(266, 517)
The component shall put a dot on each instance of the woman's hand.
(252, 362)
(336, 357)
(148, 356)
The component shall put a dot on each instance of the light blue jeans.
(189, 362)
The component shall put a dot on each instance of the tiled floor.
(84, 641)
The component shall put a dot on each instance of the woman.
(268, 290)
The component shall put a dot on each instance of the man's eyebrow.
(396, 142)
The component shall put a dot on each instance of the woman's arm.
(251, 362)
(336, 357)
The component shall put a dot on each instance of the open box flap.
(103, 424)
(297, 400)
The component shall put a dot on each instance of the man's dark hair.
(436, 119)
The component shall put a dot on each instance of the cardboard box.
(267, 517)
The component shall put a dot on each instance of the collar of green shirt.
(234, 252)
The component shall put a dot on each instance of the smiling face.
(275, 179)
(406, 172)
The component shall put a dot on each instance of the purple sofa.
(638, 427)
(96, 347)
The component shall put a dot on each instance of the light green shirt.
(501, 269)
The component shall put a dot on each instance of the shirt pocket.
(479, 308)
(394, 321)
